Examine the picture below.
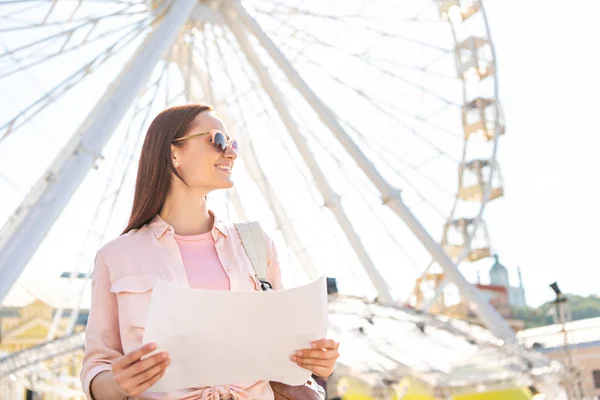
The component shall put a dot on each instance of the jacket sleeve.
(102, 334)
(273, 267)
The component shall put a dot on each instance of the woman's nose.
(230, 153)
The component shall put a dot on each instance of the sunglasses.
(218, 140)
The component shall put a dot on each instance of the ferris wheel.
(369, 130)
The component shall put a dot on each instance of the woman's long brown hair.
(155, 168)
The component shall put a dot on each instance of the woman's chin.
(227, 184)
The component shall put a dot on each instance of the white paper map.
(221, 337)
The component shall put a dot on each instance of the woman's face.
(197, 159)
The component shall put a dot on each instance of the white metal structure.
(341, 136)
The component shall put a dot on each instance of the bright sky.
(547, 221)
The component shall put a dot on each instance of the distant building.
(499, 277)
(27, 326)
(497, 295)
(584, 345)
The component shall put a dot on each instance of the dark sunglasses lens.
(220, 141)
(235, 146)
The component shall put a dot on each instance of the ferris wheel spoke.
(378, 149)
(374, 67)
(9, 15)
(382, 106)
(383, 151)
(126, 155)
(87, 20)
(8, 180)
(220, 56)
(237, 96)
(203, 53)
(353, 27)
(371, 61)
(361, 188)
(379, 106)
(267, 111)
(391, 160)
(253, 89)
(362, 93)
(364, 188)
(286, 10)
(120, 169)
(67, 33)
(49, 12)
(368, 28)
(65, 85)
(393, 66)
(61, 52)
(429, 179)
(9, 2)
(249, 74)
(433, 113)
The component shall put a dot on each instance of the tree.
(581, 308)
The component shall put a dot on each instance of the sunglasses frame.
(213, 133)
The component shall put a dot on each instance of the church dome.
(498, 273)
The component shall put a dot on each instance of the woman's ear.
(174, 157)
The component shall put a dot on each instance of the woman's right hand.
(134, 376)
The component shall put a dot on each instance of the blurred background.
(435, 159)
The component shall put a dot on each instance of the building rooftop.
(438, 351)
(582, 333)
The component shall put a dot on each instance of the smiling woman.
(173, 236)
(183, 148)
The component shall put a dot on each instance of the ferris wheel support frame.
(290, 235)
(390, 196)
(332, 199)
(28, 226)
(258, 175)
(487, 189)
(190, 70)
(287, 230)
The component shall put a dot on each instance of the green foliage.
(581, 308)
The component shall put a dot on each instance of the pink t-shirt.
(205, 271)
(201, 262)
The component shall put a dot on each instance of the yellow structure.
(411, 389)
(512, 394)
(25, 327)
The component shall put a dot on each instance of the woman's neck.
(187, 214)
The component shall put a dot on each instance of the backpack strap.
(255, 245)
(253, 240)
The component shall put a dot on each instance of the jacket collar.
(159, 226)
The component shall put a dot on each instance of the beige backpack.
(253, 240)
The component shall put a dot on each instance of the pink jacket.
(124, 273)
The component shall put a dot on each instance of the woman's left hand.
(320, 359)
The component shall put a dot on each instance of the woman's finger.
(315, 361)
(150, 372)
(317, 369)
(133, 356)
(144, 365)
(325, 344)
(147, 384)
(133, 385)
(325, 355)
